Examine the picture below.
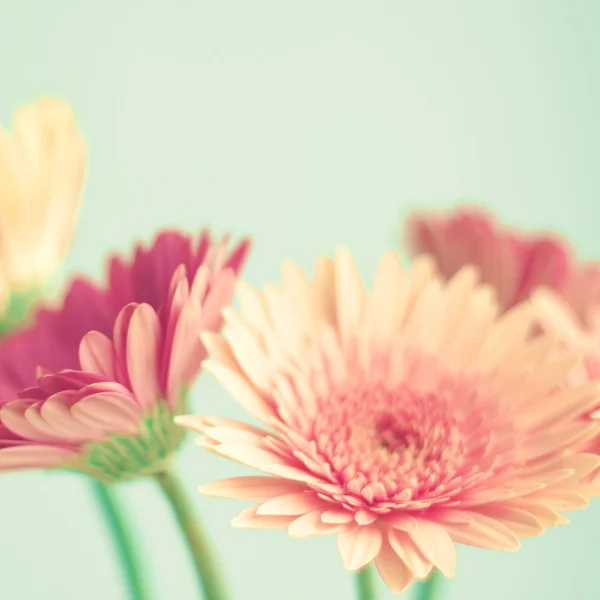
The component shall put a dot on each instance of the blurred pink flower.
(515, 262)
(403, 420)
(93, 384)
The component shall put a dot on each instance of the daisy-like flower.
(93, 385)
(515, 262)
(558, 319)
(42, 168)
(403, 420)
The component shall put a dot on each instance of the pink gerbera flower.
(403, 420)
(558, 319)
(93, 384)
(513, 261)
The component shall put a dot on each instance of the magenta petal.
(238, 257)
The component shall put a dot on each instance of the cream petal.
(350, 295)
(250, 488)
(483, 532)
(241, 391)
(555, 441)
(359, 547)
(310, 524)
(218, 349)
(249, 519)
(436, 545)
(249, 455)
(563, 406)
(408, 552)
(507, 334)
(392, 569)
(337, 516)
(520, 522)
(324, 286)
(283, 470)
(253, 306)
(293, 504)
(384, 311)
(249, 352)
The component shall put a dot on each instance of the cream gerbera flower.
(403, 421)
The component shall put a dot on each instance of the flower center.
(400, 443)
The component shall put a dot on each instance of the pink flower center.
(400, 444)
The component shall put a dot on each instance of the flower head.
(42, 167)
(403, 420)
(513, 261)
(99, 378)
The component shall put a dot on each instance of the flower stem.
(123, 540)
(365, 584)
(208, 572)
(426, 589)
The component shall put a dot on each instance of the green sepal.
(121, 457)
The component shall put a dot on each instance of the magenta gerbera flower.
(402, 420)
(93, 385)
(514, 261)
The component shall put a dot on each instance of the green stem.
(123, 540)
(365, 584)
(426, 589)
(208, 572)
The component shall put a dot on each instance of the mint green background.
(307, 124)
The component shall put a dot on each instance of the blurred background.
(306, 125)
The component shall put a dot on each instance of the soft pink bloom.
(515, 262)
(403, 420)
(558, 319)
(112, 363)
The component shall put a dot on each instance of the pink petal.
(120, 331)
(97, 355)
(13, 416)
(186, 353)
(34, 457)
(359, 547)
(109, 411)
(218, 297)
(57, 413)
(143, 340)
